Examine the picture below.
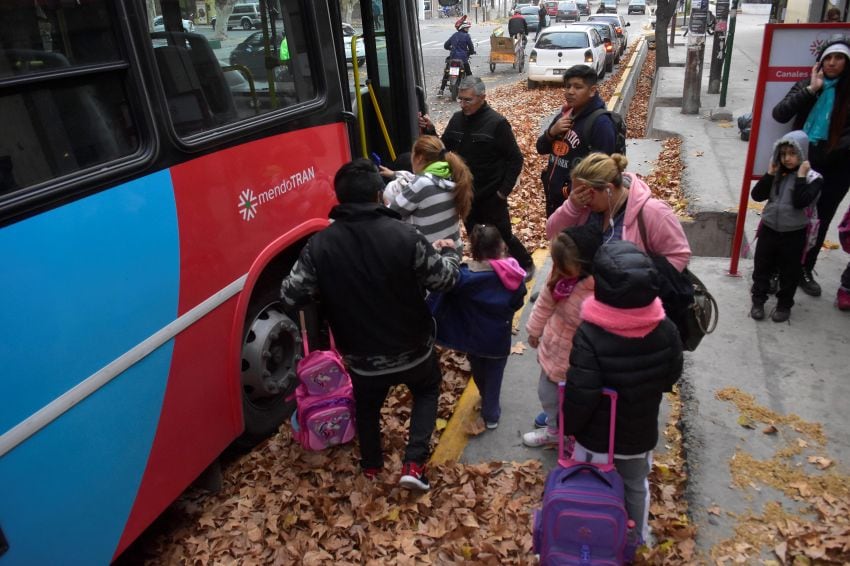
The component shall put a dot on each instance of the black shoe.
(534, 296)
(808, 283)
(757, 312)
(780, 314)
(774, 284)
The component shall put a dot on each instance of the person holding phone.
(820, 106)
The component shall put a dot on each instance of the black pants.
(836, 181)
(777, 252)
(494, 211)
(466, 69)
(370, 392)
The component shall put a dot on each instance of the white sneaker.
(540, 437)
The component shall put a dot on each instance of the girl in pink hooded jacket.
(556, 315)
(604, 195)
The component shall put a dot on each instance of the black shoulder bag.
(686, 300)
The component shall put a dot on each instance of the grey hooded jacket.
(787, 194)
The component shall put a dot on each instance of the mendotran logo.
(249, 203)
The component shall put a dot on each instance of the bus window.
(72, 118)
(71, 32)
(216, 76)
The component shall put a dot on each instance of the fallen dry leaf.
(820, 462)
(518, 348)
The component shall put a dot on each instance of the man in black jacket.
(485, 140)
(369, 269)
(624, 343)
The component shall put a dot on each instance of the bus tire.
(271, 348)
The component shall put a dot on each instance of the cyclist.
(460, 47)
(517, 26)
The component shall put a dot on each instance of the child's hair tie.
(442, 154)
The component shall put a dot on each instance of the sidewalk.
(796, 373)
(789, 369)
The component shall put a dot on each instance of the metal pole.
(724, 82)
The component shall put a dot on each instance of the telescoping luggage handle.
(567, 462)
(304, 335)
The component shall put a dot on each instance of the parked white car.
(348, 32)
(159, 25)
(559, 47)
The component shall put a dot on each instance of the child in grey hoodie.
(791, 189)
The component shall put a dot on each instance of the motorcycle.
(454, 10)
(456, 74)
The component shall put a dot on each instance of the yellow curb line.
(615, 98)
(454, 437)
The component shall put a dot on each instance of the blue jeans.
(487, 373)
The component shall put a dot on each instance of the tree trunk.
(347, 8)
(223, 9)
(664, 12)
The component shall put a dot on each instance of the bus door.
(394, 68)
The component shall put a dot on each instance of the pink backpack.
(324, 415)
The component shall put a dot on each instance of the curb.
(622, 97)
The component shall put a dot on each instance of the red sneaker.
(843, 299)
(413, 477)
(371, 473)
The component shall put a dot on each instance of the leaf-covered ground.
(281, 505)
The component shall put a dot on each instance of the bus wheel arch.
(269, 352)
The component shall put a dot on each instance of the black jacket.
(486, 142)
(370, 270)
(797, 104)
(603, 138)
(640, 370)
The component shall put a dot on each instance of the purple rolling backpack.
(584, 519)
(324, 415)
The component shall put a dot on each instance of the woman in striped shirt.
(440, 195)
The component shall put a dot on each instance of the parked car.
(251, 53)
(607, 7)
(612, 43)
(567, 12)
(246, 16)
(531, 17)
(348, 32)
(583, 7)
(559, 48)
(637, 7)
(620, 25)
(518, 6)
(551, 8)
(159, 25)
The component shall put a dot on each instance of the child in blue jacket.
(476, 316)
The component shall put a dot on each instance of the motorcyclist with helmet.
(460, 47)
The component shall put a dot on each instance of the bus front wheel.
(271, 348)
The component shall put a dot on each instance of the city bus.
(158, 178)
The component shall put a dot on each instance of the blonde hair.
(431, 149)
(566, 259)
(597, 169)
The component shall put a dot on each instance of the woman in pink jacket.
(602, 194)
(556, 315)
